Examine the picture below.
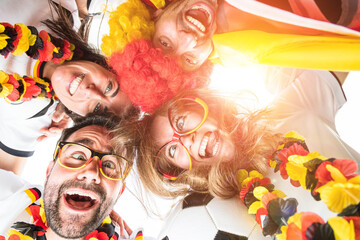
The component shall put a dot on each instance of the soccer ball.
(202, 217)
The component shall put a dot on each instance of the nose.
(91, 172)
(187, 41)
(188, 141)
(90, 92)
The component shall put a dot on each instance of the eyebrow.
(85, 141)
(116, 91)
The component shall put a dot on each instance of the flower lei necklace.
(331, 180)
(37, 229)
(19, 39)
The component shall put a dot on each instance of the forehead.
(160, 130)
(98, 138)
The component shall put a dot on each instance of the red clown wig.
(150, 78)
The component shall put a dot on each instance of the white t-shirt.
(13, 200)
(308, 106)
(19, 127)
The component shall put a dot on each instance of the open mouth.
(79, 200)
(209, 145)
(200, 16)
(74, 85)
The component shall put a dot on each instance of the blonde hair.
(250, 131)
(130, 21)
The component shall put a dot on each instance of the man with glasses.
(83, 183)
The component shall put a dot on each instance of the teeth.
(204, 143)
(197, 23)
(75, 84)
(81, 194)
(204, 10)
(216, 147)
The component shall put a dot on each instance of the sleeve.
(20, 126)
(15, 195)
(316, 91)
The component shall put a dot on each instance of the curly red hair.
(149, 78)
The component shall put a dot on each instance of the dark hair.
(124, 145)
(62, 26)
(106, 120)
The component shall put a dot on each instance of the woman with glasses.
(200, 139)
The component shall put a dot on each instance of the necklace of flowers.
(330, 180)
(37, 229)
(18, 39)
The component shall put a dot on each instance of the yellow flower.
(296, 169)
(338, 196)
(19, 234)
(18, 77)
(244, 177)
(272, 163)
(293, 134)
(130, 21)
(342, 228)
(107, 220)
(295, 219)
(41, 81)
(42, 210)
(23, 44)
(282, 235)
(3, 37)
(258, 192)
(279, 193)
(5, 88)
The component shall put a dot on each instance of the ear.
(156, 14)
(50, 166)
(122, 189)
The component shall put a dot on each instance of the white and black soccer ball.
(202, 217)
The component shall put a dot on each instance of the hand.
(122, 224)
(59, 121)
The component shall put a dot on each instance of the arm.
(11, 163)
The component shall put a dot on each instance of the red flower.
(245, 190)
(295, 183)
(260, 212)
(19, 35)
(31, 89)
(356, 221)
(285, 153)
(14, 95)
(297, 228)
(66, 52)
(35, 212)
(347, 167)
(14, 237)
(97, 235)
(267, 198)
(46, 53)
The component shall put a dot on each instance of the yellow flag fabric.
(328, 52)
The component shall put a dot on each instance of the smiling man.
(83, 183)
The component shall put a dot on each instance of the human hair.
(130, 21)
(250, 131)
(106, 120)
(61, 25)
(150, 78)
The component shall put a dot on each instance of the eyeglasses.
(76, 156)
(186, 115)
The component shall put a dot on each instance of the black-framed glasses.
(76, 156)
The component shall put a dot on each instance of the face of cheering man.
(79, 194)
(184, 30)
